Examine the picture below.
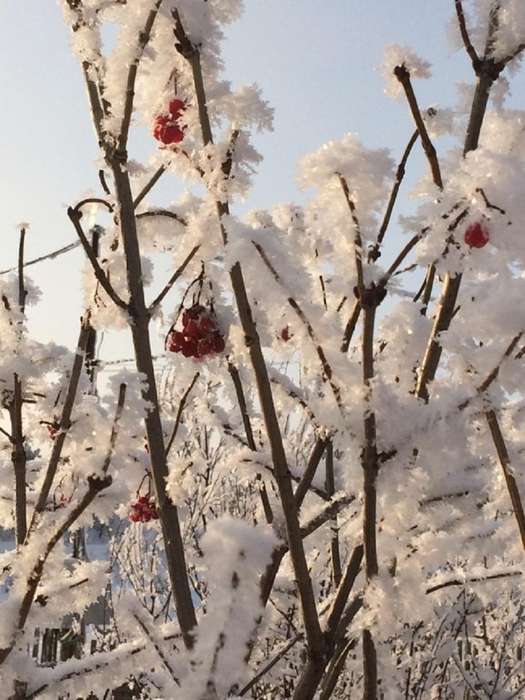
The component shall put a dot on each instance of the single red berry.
(194, 312)
(175, 341)
(477, 235)
(192, 329)
(176, 108)
(285, 334)
(190, 348)
(207, 325)
(218, 342)
(205, 347)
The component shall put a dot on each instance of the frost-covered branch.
(64, 424)
(75, 215)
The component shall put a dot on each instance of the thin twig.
(64, 425)
(149, 185)
(175, 276)
(400, 174)
(472, 579)
(327, 368)
(268, 667)
(351, 326)
(358, 242)
(504, 459)
(309, 472)
(75, 216)
(143, 39)
(476, 63)
(178, 417)
(162, 212)
(162, 656)
(403, 75)
(47, 256)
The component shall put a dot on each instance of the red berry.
(218, 342)
(190, 348)
(205, 347)
(175, 341)
(207, 325)
(176, 108)
(285, 334)
(477, 235)
(192, 329)
(143, 510)
(166, 128)
(194, 312)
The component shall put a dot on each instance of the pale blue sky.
(314, 59)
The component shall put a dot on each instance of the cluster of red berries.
(477, 235)
(143, 510)
(200, 335)
(166, 127)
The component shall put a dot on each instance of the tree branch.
(476, 62)
(149, 185)
(400, 174)
(144, 37)
(175, 276)
(358, 242)
(403, 75)
(504, 460)
(180, 409)
(64, 425)
(75, 216)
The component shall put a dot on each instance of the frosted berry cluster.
(200, 336)
(143, 510)
(167, 128)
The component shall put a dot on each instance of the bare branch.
(309, 472)
(403, 75)
(504, 459)
(149, 185)
(472, 579)
(162, 212)
(400, 174)
(178, 417)
(175, 276)
(268, 667)
(351, 326)
(343, 592)
(47, 256)
(476, 62)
